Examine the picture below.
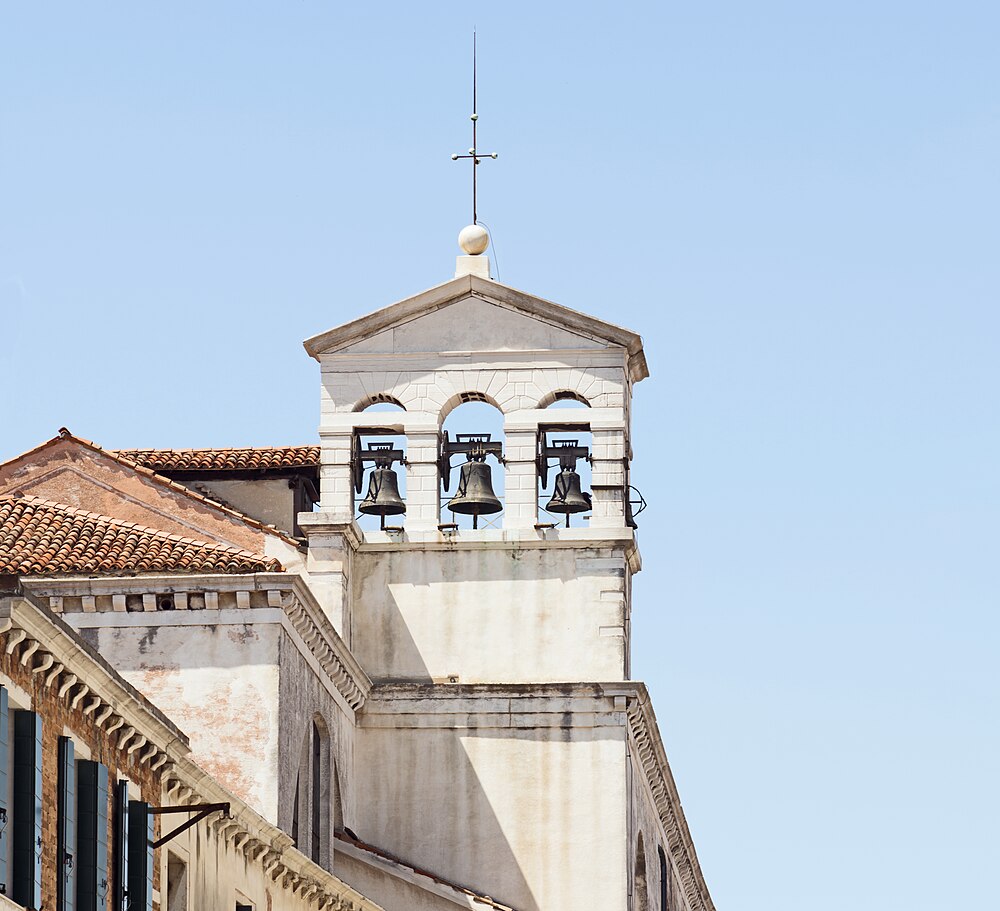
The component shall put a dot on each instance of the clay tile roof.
(263, 457)
(39, 537)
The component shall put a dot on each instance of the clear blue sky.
(795, 203)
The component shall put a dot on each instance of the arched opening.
(564, 398)
(473, 484)
(564, 500)
(314, 794)
(640, 892)
(380, 401)
(379, 475)
(664, 878)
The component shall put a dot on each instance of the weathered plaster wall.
(528, 808)
(403, 891)
(269, 500)
(490, 615)
(305, 693)
(218, 679)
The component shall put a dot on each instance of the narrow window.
(119, 890)
(92, 836)
(140, 857)
(27, 809)
(317, 765)
(177, 886)
(295, 814)
(641, 898)
(66, 828)
(664, 879)
(5, 813)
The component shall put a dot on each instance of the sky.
(794, 203)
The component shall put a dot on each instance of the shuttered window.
(119, 890)
(27, 830)
(5, 812)
(140, 857)
(66, 831)
(92, 837)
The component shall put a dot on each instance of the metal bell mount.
(383, 498)
(475, 496)
(568, 498)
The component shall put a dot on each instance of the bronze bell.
(567, 497)
(383, 497)
(475, 496)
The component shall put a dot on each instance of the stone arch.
(562, 395)
(640, 889)
(378, 398)
(314, 818)
(463, 398)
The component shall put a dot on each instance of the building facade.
(402, 652)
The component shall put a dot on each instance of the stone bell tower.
(498, 745)
(425, 600)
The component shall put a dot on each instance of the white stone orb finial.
(473, 239)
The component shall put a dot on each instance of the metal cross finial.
(474, 152)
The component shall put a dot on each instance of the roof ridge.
(213, 448)
(66, 434)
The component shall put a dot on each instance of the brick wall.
(57, 715)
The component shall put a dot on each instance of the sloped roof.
(351, 839)
(151, 475)
(42, 538)
(493, 292)
(246, 459)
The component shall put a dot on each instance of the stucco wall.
(218, 680)
(528, 808)
(497, 615)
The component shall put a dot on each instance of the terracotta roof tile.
(42, 538)
(65, 434)
(259, 457)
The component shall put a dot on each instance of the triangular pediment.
(476, 315)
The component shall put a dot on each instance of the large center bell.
(383, 497)
(567, 496)
(475, 496)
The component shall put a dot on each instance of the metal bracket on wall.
(203, 810)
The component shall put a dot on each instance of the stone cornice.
(46, 646)
(286, 591)
(645, 735)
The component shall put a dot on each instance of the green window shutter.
(66, 830)
(5, 812)
(119, 891)
(140, 857)
(92, 836)
(27, 809)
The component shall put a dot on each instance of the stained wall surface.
(501, 614)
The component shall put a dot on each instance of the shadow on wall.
(499, 605)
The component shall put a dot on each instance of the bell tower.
(455, 582)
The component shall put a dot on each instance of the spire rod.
(474, 152)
